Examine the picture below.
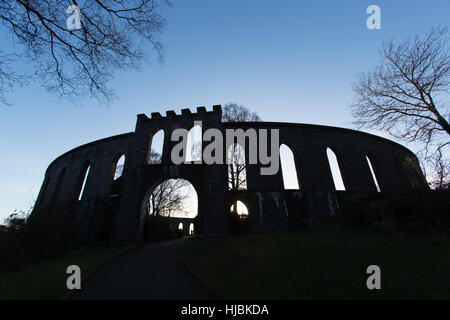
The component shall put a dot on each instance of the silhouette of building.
(99, 215)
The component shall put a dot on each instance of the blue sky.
(290, 61)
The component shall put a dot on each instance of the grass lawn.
(320, 263)
(47, 280)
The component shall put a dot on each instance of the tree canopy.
(407, 96)
(113, 35)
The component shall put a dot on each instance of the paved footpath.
(151, 272)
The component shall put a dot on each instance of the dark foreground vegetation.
(426, 212)
(324, 262)
(23, 243)
(407, 236)
(47, 280)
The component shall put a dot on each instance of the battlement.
(185, 113)
(268, 201)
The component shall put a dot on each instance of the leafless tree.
(407, 94)
(441, 168)
(155, 157)
(232, 112)
(79, 62)
(169, 196)
(237, 176)
(8, 77)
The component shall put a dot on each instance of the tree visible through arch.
(155, 147)
(237, 169)
(173, 198)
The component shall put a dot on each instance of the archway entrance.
(171, 202)
(239, 222)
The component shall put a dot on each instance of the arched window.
(180, 226)
(335, 171)
(241, 208)
(374, 177)
(84, 175)
(191, 229)
(172, 198)
(118, 166)
(194, 144)
(288, 169)
(155, 147)
(239, 218)
(237, 175)
(117, 171)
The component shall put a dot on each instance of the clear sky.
(290, 61)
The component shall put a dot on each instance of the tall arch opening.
(239, 221)
(372, 172)
(117, 171)
(194, 144)
(84, 175)
(155, 147)
(288, 168)
(335, 170)
(163, 204)
(237, 168)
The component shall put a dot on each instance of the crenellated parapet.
(186, 113)
(271, 206)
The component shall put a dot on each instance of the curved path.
(154, 271)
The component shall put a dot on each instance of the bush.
(30, 244)
(418, 212)
(354, 213)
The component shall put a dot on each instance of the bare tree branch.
(78, 63)
(170, 196)
(237, 178)
(407, 94)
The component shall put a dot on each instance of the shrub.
(30, 243)
(418, 212)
